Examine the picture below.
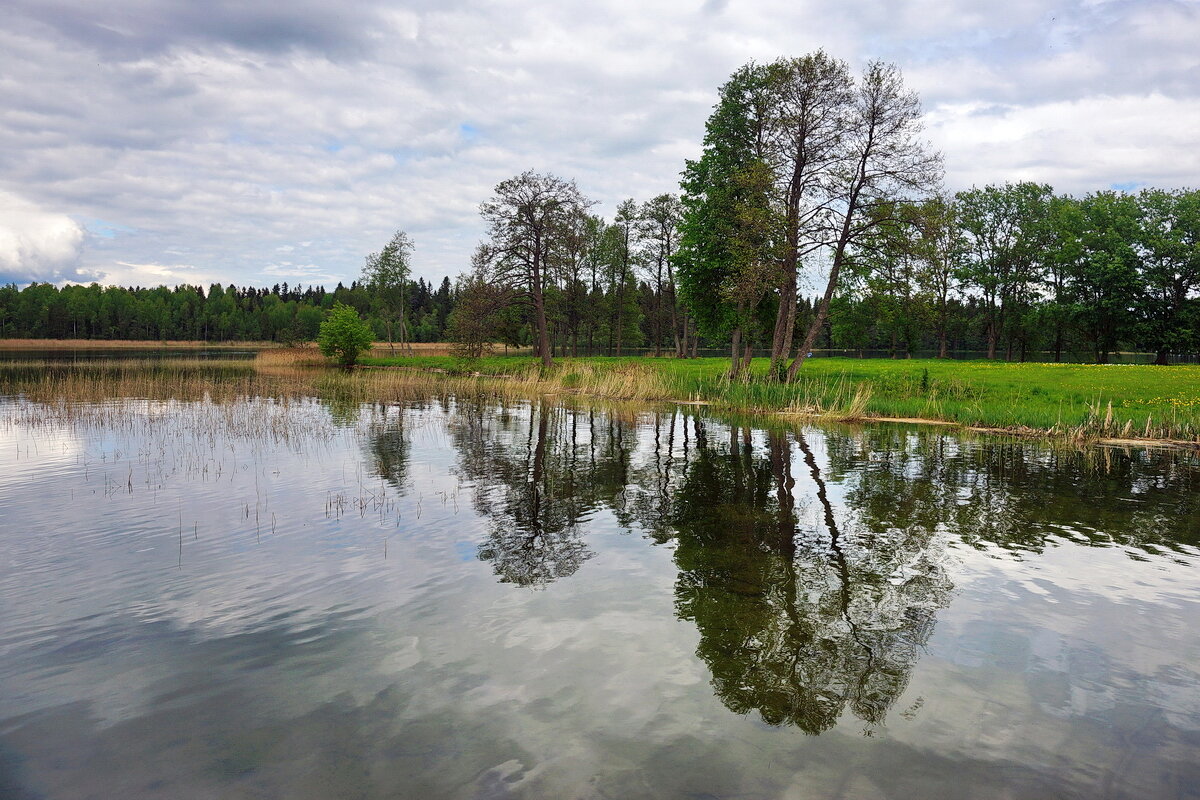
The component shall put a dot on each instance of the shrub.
(344, 335)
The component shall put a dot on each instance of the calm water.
(119, 354)
(469, 599)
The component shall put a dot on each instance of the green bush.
(344, 335)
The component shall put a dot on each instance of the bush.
(344, 335)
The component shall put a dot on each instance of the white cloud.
(36, 244)
(124, 273)
(1076, 146)
(226, 137)
(307, 273)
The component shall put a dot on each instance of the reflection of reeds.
(302, 372)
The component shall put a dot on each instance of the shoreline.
(132, 344)
(549, 387)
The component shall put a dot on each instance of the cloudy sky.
(189, 141)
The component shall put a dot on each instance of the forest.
(815, 218)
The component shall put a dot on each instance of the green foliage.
(344, 335)
(385, 275)
(281, 313)
(724, 255)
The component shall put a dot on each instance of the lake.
(295, 597)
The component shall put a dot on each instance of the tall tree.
(940, 245)
(1105, 281)
(724, 253)
(806, 122)
(621, 256)
(1010, 234)
(527, 219)
(883, 159)
(658, 224)
(385, 276)
(888, 270)
(1167, 307)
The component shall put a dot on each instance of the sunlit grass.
(1079, 400)
(1071, 400)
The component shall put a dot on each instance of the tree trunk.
(785, 323)
(735, 354)
(822, 311)
(620, 320)
(543, 333)
(675, 326)
(1160, 357)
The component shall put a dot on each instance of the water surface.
(472, 598)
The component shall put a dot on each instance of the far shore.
(378, 349)
(120, 344)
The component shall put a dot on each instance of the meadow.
(1074, 400)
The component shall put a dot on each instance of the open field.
(1079, 400)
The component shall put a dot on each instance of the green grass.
(1071, 399)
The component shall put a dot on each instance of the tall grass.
(1073, 400)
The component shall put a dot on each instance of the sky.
(148, 142)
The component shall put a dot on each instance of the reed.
(1076, 402)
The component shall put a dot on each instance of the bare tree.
(658, 223)
(805, 131)
(526, 221)
(883, 160)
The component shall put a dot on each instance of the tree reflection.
(537, 477)
(798, 620)
(813, 567)
(1020, 495)
(389, 443)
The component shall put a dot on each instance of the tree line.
(806, 171)
(280, 313)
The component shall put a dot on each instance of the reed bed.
(1076, 402)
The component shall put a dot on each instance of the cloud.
(308, 274)
(220, 134)
(123, 273)
(36, 244)
(1124, 139)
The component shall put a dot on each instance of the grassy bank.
(1082, 402)
(1077, 400)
